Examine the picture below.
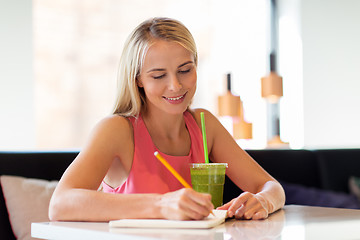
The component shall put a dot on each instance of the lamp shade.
(242, 129)
(276, 142)
(229, 105)
(272, 87)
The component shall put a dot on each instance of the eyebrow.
(163, 69)
(185, 64)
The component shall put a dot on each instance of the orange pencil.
(174, 172)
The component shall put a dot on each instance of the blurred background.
(59, 59)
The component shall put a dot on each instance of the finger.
(239, 213)
(262, 214)
(251, 207)
(185, 211)
(190, 213)
(226, 205)
(260, 211)
(198, 204)
(238, 203)
(203, 199)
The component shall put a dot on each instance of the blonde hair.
(130, 98)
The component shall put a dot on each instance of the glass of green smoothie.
(209, 178)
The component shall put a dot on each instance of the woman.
(157, 77)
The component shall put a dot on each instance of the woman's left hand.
(247, 206)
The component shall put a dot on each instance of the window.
(77, 45)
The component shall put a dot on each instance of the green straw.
(204, 137)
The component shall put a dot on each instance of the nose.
(174, 84)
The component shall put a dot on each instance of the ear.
(139, 82)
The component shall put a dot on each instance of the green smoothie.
(209, 178)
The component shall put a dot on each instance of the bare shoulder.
(115, 122)
(210, 119)
(212, 125)
(112, 131)
(109, 140)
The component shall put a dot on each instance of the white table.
(293, 222)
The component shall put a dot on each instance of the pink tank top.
(148, 174)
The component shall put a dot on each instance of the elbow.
(54, 213)
(57, 208)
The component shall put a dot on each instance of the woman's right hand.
(185, 204)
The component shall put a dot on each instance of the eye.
(159, 77)
(185, 71)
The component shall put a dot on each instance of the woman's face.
(168, 77)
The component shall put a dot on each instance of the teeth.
(174, 99)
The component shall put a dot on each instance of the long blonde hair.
(130, 98)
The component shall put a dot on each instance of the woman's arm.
(76, 197)
(262, 193)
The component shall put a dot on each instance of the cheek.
(152, 89)
(192, 79)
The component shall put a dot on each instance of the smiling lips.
(175, 100)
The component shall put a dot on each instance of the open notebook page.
(209, 222)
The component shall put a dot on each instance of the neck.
(169, 126)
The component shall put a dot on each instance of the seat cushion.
(27, 200)
(49, 165)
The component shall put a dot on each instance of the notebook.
(209, 222)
